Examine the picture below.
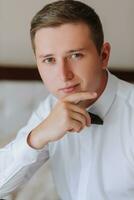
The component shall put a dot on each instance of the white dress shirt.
(95, 164)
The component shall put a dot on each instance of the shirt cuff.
(24, 153)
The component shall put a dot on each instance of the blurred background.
(15, 16)
(20, 87)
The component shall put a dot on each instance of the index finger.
(80, 96)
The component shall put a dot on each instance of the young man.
(90, 159)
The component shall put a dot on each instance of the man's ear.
(105, 53)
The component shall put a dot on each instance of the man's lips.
(69, 89)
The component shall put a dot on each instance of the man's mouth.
(69, 89)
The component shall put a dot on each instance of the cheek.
(89, 73)
(48, 81)
(47, 77)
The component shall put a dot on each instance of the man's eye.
(49, 60)
(76, 56)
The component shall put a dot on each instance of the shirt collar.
(104, 102)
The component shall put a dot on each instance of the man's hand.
(67, 115)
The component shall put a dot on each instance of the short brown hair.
(61, 12)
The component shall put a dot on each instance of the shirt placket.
(86, 162)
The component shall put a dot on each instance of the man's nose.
(65, 72)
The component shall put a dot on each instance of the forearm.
(18, 162)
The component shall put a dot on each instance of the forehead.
(63, 36)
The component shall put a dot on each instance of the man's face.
(68, 60)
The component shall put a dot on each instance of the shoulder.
(125, 92)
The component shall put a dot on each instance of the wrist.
(35, 140)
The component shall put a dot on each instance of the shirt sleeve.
(19, 161)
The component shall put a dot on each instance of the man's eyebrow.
(68, 52)
(76, 50)
(45, 56)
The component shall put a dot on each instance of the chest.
(96, 162)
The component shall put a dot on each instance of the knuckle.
(78, 127)
(83, 120)
(86, 114)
